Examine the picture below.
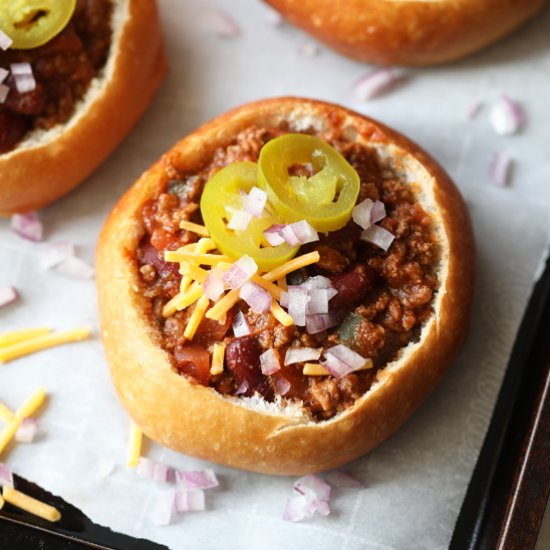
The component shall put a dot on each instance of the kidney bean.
(28, 103)
(150, 255)
(352, 286)
(242, 358)
(12, 128)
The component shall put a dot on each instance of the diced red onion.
(288, 234)
(284, 297)
(361, 213)
(161, 472)
(316, 282)
(473, 108)
(6, 476)
(319, 301)
(5, 41)
(8, 294)
(196, 479)
(27, 226)
(75, 267)
(339, 479)
(3, 74)
(54, 253)
(24, 79)
(255, 201)
(273, 234)
(4, 91)
(378, 236)
(309, 49)
(323, 508)
(304, 232)
(239, 220)
(377, 82)
(321, 321)
(352, 358)
(243, 388)
(190, 500)
(222, 24)
(269, 362)
(507, 116)
(501, 169)
(258, 298)
(336, 367)
(27, 430)
(144, 467)
(282, 385)
(313, 485)
(298, 299)
(301, 355)
(213, 285)
(378, 212)
(296, 509)
(105, 467)
(240, 325)
(240, 272)
(163, 512)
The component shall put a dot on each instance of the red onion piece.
(319, 300)
(337, 478)
(473, 109)
(8, 294)
(27, 431)
(378, 82)
(352, 358)
(321, 321)
(500, 169)
(282, 385)
(269, 361)
(301, 355)
(296, 509)
(258, 298)
(196, 479)
(144, 467)
(507, 116)
(240, 272)
(24, 79)
(361, 213)
(163, 512)
(27, 226)
(5, 41)
(239, 220)
(75, 267)
(240, 325)
(255, 201)
(336, 367)
(316, 282)
(190, 501)
(313, 485)
(288, 234)
(54, 253)
(161, 472)
(243, 388)
(304, 232)
(273, 234)
(378, 212)
(323, 508)
(4, 91)
(298, 299)
(105, 467)
(3, 74)
(6, 476)
(378, 236)
(213, 285)
(222, 24)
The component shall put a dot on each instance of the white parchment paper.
(417, 479)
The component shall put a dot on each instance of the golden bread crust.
(37, 174)
(196, 420)
(407, 32)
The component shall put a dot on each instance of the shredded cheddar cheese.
(181, 301)
(281, 315)
(223, 305)
(196, 317)
(194, 228)
(315, 369)
(218, 355)
(292, 265)
(1, 502)
(134, 446)
(38, 343)
(30, 504)
(204, 245)
(26, 410)
(281, 283)
(199, 259)
(9, 338)
(5, 414)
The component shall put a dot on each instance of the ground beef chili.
(63, 69)
(383, 297)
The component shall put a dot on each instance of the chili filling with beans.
(383, 297)
(63, 69)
